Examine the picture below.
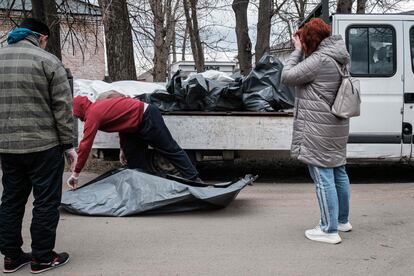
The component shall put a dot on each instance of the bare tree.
(190, 9)
(46, 11)
(214, 43)
(174, 48)
(118, 36)
(300, 6)
(288, 15)
(244, 44)
(154, 27)
(383, 6)
(212, 30)
(76, 29)
(344, 6)
(361, 6)
(164, 29)
(263, 28)
(267, 8)
(184, 43)
(80, 32)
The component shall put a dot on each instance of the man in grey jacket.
(35, 131)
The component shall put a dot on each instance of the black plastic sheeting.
(126, 192)
(261, 90)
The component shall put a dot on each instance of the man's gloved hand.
(122, 158)
(73, 181)
(71, 158)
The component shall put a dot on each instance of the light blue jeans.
(333, 193)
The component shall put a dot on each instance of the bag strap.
(343, 75)
(339, 68)
(340, 72)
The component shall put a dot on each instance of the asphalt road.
(260, 233)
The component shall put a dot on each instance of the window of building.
(372, 50)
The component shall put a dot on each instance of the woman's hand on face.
(296, 42)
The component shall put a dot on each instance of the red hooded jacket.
(110, 115)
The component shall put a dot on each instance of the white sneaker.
(344, 227)
(317, 234)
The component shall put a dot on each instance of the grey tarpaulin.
(128, 192)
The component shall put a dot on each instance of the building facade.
(81, 30)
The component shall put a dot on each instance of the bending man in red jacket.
(138, 124)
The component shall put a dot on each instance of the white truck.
(382, 58)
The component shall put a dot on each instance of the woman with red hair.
(319, 137)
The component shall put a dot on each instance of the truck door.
(408, 89)
(376, 51)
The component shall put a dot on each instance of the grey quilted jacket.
(319, 137)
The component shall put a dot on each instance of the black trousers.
(153, 131)
(43, 172)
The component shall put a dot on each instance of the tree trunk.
(46, 11)
(164, 31)
(263, 28)
(174, 48)
(196, 37)
(190, 30)
(244, 44)
(160, 54)
(159, 71)
(192, 23)
(118, 38)
(184, 43)
(344, 6)
(361, 5)
(300, 6)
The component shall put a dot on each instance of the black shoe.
(57, 261)
(12, 265)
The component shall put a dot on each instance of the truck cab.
(381, 48)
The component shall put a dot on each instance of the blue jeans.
(333, 193)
